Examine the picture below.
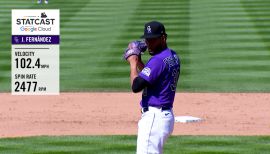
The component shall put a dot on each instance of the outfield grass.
(224, 44)
(127, 145)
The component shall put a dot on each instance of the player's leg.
(46, 1)
(161, 130)
(144, 130)
(167, 125)
(39, 1)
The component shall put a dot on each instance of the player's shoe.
(39, 1)
(46, 1)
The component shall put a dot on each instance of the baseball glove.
(135, 48)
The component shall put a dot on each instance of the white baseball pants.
(154, 127)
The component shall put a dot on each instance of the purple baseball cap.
(153, 29)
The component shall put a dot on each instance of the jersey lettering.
(175, 76)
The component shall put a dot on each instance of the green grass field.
(224, 44)
(127, 145)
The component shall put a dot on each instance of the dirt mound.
(118, 113)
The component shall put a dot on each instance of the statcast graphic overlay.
(35, 52)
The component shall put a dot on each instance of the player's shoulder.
(162, 55)
(155, 61)
(174, 53)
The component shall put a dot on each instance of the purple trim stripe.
(35, 39)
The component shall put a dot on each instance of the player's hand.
(135, 48)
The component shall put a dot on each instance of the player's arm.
(137, 83)
(140, 64)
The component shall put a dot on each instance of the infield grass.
(127, 145)
(224, 44)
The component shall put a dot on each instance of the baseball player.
(158, 80)
(45, 1)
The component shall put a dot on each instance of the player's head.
(155, 37)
